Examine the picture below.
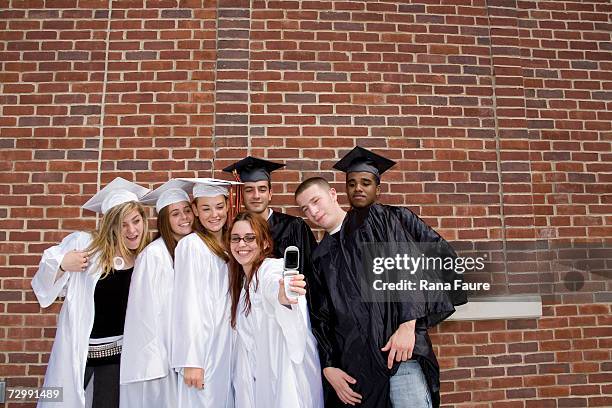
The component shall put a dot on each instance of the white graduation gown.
(276, 361)
(201, 330)
(66, 366)
(147, 380)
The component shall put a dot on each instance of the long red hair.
(237, 276)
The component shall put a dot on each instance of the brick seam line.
(103, 104)
(248, 67)
(497, 145)
(214, 102)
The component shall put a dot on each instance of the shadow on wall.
(557, 271)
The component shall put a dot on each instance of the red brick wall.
(560, 360)
(498, 113)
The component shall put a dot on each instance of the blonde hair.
(108, 238)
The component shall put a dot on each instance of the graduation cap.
(209, 187)
(360, 159)
(171, 192)
(117, 192)
(253, 169)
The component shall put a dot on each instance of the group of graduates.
(200, 316)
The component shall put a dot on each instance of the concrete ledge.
(500, 307)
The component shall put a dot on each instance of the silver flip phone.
(290, 269)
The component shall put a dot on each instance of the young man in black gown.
(373, 354)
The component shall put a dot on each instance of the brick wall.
(498, 113)
(560, 360)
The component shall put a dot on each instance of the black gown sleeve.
(288, 230)
(440, 305)
(322, 318)
(317, 295)
(307, 244)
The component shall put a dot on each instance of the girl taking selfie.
(276, 362)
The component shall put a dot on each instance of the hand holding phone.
(296, 284)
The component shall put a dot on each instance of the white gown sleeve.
(290, 320)
(192, 305)
(45, 286)
(142, 354)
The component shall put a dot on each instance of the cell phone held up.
(291, 267)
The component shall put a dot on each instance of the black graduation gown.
(288, 230)
(351, 332)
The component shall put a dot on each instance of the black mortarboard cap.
(253, 169)
(360, 159)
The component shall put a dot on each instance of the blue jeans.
(409, 388)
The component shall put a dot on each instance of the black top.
(110, 298)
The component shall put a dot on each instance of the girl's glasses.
(248, 238)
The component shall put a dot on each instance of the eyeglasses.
(248, 238)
